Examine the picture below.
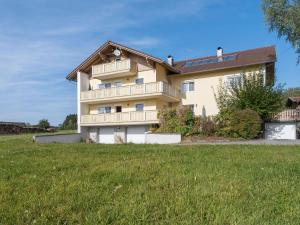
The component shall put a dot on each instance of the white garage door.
(280, 130)
(136, 134)
(106, 135)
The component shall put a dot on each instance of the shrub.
(250, 92)
(169, 121)
(207, 126)
(184, 121)
(245, 123)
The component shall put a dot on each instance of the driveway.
(250, 142)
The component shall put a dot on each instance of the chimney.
(170, 60)
(219, 52)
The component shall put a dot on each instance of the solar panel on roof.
(210, 60)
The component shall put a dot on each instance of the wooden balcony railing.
(119, 118)
(132, 90)
(287, 115)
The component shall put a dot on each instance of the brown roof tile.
(243, 58)
(295, 99)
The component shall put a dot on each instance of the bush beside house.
(243, 106)
(183, 121)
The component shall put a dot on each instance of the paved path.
(250, 142)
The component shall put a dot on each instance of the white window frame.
(233, 79)
(136, 81)
(190, 84)
(103, 85)
(104, 109)
(118, 82)
(140, 104)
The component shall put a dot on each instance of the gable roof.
(241, 58)
(92, 57)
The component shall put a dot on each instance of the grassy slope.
(139, 184)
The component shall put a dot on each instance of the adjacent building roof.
(295, 99)
(229, 60)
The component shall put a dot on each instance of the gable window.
(233, 80)
(104, 85)
(139, 107)
(139, 80)
(106, 109)
(188, 86)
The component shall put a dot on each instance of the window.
(139, 107)
(233, 80)
(118, 84)
(106, 109)
(118, 109)
(188, 86)
(191, 107)
(139, 80)
(104, 85)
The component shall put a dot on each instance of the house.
(294, 102)
(120, 90)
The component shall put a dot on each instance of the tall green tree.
(44, 123)
(283, 17)
(70, 122)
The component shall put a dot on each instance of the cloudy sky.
(42, 40)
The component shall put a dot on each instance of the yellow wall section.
(206, 84)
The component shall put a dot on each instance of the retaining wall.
(59, 138)
(151, 138)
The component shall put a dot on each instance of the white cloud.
(143, 42)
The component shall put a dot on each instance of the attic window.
(210, 60)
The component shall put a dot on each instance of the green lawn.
(147, 184)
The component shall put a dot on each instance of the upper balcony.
(160, 90)
(121, 68)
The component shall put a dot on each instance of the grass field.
(147, 184)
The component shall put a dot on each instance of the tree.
(44, 123)
(70, 122)
(283, 17)
(250, 92)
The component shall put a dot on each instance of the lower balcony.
(138, 91)
(123, 118)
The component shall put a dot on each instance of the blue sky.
(42, 40)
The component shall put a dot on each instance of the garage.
(106, 135)
(280, 130)
(136, 134)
